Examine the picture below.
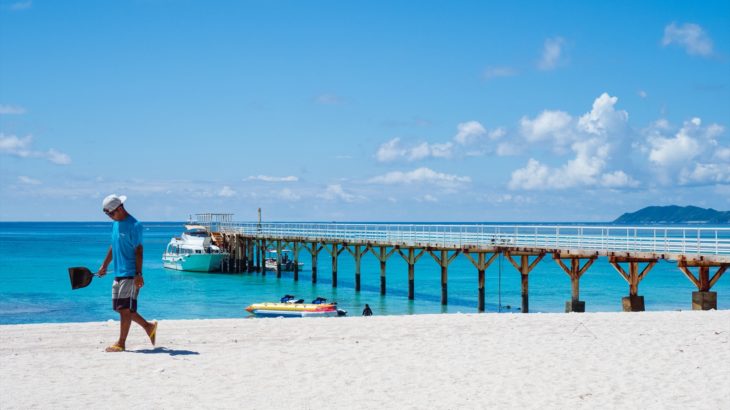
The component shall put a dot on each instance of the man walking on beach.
(126, 252)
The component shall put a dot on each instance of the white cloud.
(549, 124)
(551, 53)
(470, 140)
(500, 199)
(267, 178)
(532, 176)
(692, 155)
(11, 110)
(226, 192)
(689, 36)
(723, 154)
(12, 144)
(57, 157)
(642, 94)
(497, 133)
(618, 179)
(392, 151)
(427, 198)
(336, 192)
(603, 118)
(287, 194)
(420, 175)
(592, 139)
(506, 149)
(21, 147)
(469, 132)
(441, 150)
(494, 72)
(678, 150)
(28, 180)
(420, 151)
(584, 170)
(706, 174)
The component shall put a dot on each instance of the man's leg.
(125, 321)
(138, 319)
(125, 318)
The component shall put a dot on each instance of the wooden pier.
(632, 251)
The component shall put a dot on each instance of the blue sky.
(363, 111)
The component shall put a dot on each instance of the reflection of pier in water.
(632, 251)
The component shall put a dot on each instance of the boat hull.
(292, 310)
(206, 262)
(284, 313)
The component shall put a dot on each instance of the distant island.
(673, 215)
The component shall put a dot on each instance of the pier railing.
(696, 241)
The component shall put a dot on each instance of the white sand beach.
(605, 360)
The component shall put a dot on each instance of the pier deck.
(670, 243)
(632, 250)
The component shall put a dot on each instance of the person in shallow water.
(367, 311)
(126, 252)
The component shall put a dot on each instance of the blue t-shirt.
(126, 237)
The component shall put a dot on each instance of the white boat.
(193, 251)
(287, 263)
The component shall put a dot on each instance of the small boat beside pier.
(283, 263)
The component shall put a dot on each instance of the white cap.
(112, 202)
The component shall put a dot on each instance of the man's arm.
(105, 264)
(138, 279)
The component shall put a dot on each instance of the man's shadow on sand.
(164, 350)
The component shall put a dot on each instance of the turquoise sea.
(34, 283)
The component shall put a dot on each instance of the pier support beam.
(444, 260)
(481, 263)
(411, 258)
(314, 250)
(574, 272)
(257, 254)
(250, 250)
(382, 255)
(357, 252)
(241, 265)
(335, 253)
(295, 250)
(633, 302)
(262, 249)
(278, 259)
(525, 267)
(703, 299)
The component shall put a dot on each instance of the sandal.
(114, 348)
(153, 333)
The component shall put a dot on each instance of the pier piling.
(382, 255)
(481, 263)
(703, 298)
(357, 254)
(633, 302)
(334, 253)
(525, 267)
(295, 250)
(443, 261)
(574, 272)
(411, 258)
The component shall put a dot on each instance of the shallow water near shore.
(34, 257)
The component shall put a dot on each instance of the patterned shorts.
(124, 294)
